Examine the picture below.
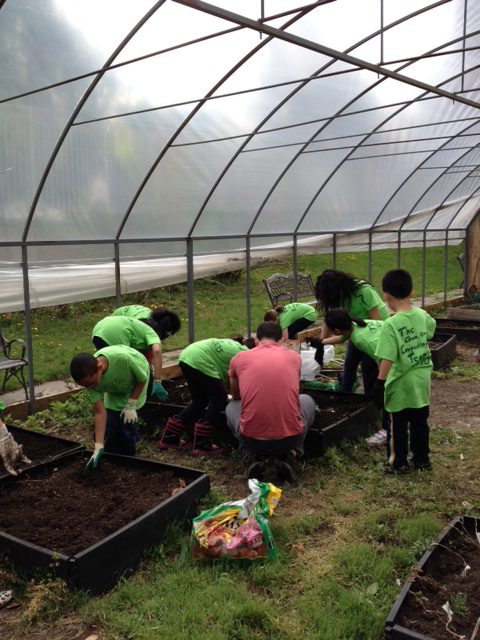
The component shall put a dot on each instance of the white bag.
(310, 367)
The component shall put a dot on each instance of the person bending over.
(364, 334)
(204, 365)
(167, 322)
(335, 289)
(266, 414)
(116, 381)
(143, 335)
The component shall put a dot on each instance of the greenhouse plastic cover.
(149, 125)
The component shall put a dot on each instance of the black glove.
(316, 343)
(378, 393)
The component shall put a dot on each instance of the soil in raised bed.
(333, 408)
(69, 509)
(178, 392)
(38, 448)
(445, 579)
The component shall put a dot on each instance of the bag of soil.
(238, 530)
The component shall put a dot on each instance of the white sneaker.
(377, 439)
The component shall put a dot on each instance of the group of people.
(252, 387)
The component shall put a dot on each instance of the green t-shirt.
(126, 368)
(295, 311)
(133, 311)
(128, 331)
(212, 356)
(366, 338)
(363, 300)
(403, 341)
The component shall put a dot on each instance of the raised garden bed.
(339, 416)
(443, 348)
(448, 572)
(465, 330)
(90, 527)
(342, 415)
(40, 448)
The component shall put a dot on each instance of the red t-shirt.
(268, 377)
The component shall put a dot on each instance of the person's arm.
(374, 314)
(325, 333)
(334, 340)
(234, 388)
(157, 360)
(384, 369)
(11, 453)
(378, 393)
(158, 389)
(100, 420)
(285, 334)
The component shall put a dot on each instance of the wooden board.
(460, 313)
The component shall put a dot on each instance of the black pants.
(419, 436)
(298, 325)
(209, 398)
(353, 358)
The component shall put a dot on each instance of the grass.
(347, 538)
(62, 331)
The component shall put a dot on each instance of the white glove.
(129, 412)
(11, 453)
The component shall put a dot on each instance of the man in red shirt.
(266, 413)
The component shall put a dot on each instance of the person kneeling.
(266, 414)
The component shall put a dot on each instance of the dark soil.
(442, 581)
(333, 407)
(178, 391)
(69, 509)
(37, 447)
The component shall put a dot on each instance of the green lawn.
(220, 307)
(347, 538)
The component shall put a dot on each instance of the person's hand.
(96, 455)
(159, 391)
(11, 453)
(378, 393)
(129, 412)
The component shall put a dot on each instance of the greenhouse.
(148, 144)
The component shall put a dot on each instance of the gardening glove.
(129, 412)
(11, 453)
(95, 459)
(378, 393)
(159, 391)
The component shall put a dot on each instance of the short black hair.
(165, 322)
(398, 283)
(83, 365)
(270, 330)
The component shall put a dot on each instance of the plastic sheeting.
(174, 119)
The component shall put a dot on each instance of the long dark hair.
(333, 287)
(164, 322)
(338, 319)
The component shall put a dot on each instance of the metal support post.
(295, 265)
(334, 247)
(190, 301)
(118, 285)
(369, 277)
(28, 330)
(424, 265)
(248, 289)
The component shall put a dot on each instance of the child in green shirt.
(205, 365)
(116, 379)
(335, 289)
(364, 335)
(144, 335)
(403, 383)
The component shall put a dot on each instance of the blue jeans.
(120, 437)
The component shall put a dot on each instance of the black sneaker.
(423, 466)
(401, 470)
(285, 471)
(256, 470)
